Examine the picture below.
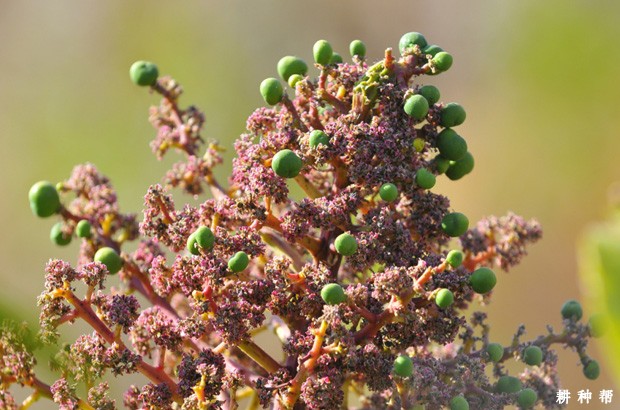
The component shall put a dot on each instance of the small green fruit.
(483, 280)
(357, 48)
(333, 294)
(44, 199)
(454, 224)
(202, 238)
(57, 235)
(388, 192)
(322, 52)
(408, 40)
(238, 262)
(431, 93)
(459, 403)
(495, 352)
(533, 355)
(416, 107)
(572, 310)
(442, 61)
(419, 144)
(452, 114)
(592, 370)
(425, 178)
(455, 258)
(444, 298)
(441, 164)
(527, 398)
(508, 384)
(286, 164)
(432, 50)
(403, 366)
(271, 90)
(597, 325)
(110, 258)
(451, 145)
(143, 73)
(345, 244)
(318, 137)
(289, 65)
(294, 79)
(336, 58)
(83, 229)
(458, 169)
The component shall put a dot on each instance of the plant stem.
(257, 354)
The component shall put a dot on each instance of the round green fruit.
(408, 40)
(271, 90)
(495, 352)
(322, 52)
(483, 280)
(336, 59)
(458, 169)
(110, 258)
(444, 298)
(403, 366)
(357, 48)
(508, 384)
(388, 192)
(592, 370)
(59, 237)
(459, 403)
(527, 398)
(289, 65)
(201, 238)
(455, 258)
(452, 114)
(286, 164)
(294, 79)
(333, 294)
(451, 145)
(572, 310)
(533, 355)
(238, 262)
(318, 137)
(143, 73)
(431, 93)
(432, 50)
(425, 178)
(83, 229)
(442, 61)
(441, 164)
(345, 244)
(419, 144)
(416, 107)
(44, 199)
(454, 224)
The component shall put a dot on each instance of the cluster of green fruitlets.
(361, 280)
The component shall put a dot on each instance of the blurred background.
(538, 81)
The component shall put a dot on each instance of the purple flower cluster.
(360, 289)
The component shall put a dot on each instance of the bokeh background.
(538, 80)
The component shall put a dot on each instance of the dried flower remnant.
(359, 280)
